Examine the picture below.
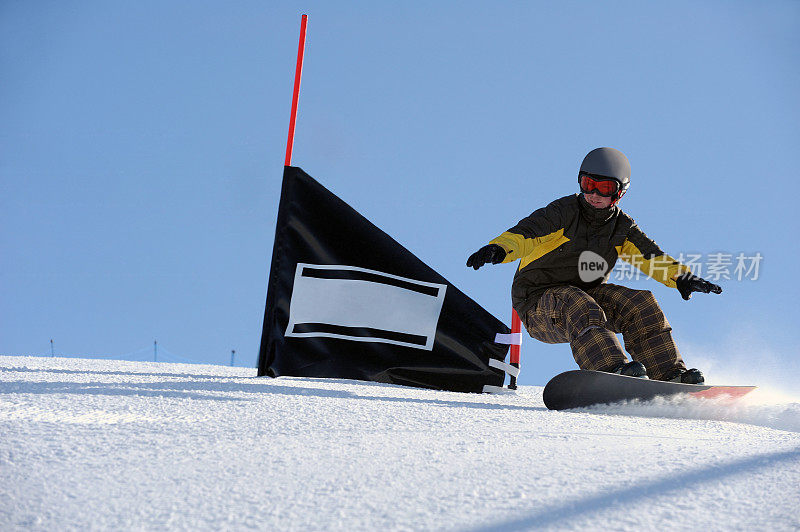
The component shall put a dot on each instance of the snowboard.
(577, 388)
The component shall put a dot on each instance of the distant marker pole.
(297, 75)
(233, 354)
(155, 350)
(52, 349)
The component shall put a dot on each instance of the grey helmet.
(608, 162)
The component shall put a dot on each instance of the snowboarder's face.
(597, 201)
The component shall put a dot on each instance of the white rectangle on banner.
(364, 305)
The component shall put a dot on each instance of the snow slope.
(88, 444)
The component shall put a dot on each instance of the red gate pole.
(297, 74)
(516, 344)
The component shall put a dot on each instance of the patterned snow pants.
(589, 319)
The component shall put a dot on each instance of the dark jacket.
(550, 241)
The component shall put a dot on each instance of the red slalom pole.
(301, 48)
(516, 339)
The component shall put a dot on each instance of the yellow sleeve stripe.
(512, 243)
(662, 268)
(529, 249)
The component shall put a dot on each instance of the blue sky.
(142, 150)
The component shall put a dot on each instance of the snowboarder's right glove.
(489, 253)
(689, 282)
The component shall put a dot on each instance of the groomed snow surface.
(109, 445)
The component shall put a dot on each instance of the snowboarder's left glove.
(688, 283)
(490, 253)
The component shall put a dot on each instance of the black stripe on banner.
(355, 275)
(359, 332)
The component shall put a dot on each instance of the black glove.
(688, 283)
(490, 253)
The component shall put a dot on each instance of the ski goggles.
(604, 186)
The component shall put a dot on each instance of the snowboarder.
(567, 251)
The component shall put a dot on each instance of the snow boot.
(686, 376)
(630, 369)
